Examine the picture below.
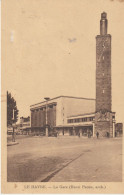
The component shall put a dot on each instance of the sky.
(49, 49)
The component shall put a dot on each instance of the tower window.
(103, 91)
(103, 73)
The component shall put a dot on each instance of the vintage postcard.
(62, 97)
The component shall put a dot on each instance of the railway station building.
(68, 115)
(80, 116)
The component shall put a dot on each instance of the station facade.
(65, 114)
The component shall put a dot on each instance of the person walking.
(97, 134)
(107, 134)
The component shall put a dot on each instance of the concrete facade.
(59, 111)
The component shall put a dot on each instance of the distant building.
(9, 129)
(24, 124)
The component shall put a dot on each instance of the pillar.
(46, 131)
(80, 131)
(93, 129)
(113, 128)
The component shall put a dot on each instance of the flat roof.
(79, 115)
(85, 114)
(64, 97)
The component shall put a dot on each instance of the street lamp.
(47, 133)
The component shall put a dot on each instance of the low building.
(24, 125)
(9, 129)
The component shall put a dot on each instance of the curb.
(12, 143)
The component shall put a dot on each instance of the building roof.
(80, 115)
(63, 97)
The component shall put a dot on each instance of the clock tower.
(104, 116)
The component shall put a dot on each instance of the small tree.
(11, 105)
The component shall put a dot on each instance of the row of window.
(77, 120)
(43, 108)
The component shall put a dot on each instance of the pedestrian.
(97, 134)
(57, 133)
(108, 134)
(88, 134)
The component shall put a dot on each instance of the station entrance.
(82, 131)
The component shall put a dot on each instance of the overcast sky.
(50, 49)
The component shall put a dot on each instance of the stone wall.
(104, 124)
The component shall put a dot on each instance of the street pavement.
(65, 159)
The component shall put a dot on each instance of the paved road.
(101, 163)
(65, 159)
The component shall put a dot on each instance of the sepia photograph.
(62, 96)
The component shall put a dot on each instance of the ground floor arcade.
(82, 130)
(75, 130)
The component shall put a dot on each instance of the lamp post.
(46, 126)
